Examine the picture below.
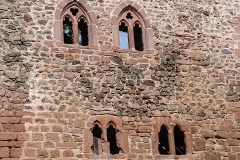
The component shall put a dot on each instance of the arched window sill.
(78, 46)
(174, 157)
(133, 51)
(105, 156)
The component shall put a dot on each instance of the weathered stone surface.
(187, 75)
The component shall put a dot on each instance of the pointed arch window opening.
(171, 143)
(138, 43)
(124, 37)
(97, 139)
(112, 139)
(132, 38)
(75, 26)
(163, 146)
(179, 138)
(67, 31)
(83, 32)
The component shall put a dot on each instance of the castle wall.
(52, 93)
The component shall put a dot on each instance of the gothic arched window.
(75, 26)
(130, 30)
(75, 23)
(174, 138)
(131, 27)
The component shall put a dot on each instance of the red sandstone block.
(7, 127)
(25, 113)
(11, 143)
(49, 43)
(8, 136)
(4, 152)
(33, 128)
(57, 128)
(45, 128)
(40, 120)
(66, 138)
(34, 144)
(66, 144)
(68, 153)
(104, 59)
(48, 144)
(22, 136)
(29, 152)
(235, 149)
(37, 137)
(70, 115)
(143, 129)
(18, 127)
(69, 56)
(6, 113)
(144, 145)
(130, 156)
(52, 136)
(54, 153)
(42, 153)
(235, 134)
(9, 120)
(15, 152)
(45, 114)
(78, 123)
(26, 120)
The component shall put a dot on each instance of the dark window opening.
(97, 142)
(163, 146)
(179, 141)
(67, 31)
(83, 32)
(123, 34)
(138, 37)
(74, 11)
(111, 137)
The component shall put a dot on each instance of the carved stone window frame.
(104, 121)
(169, 123)
(85, 11)
(118, 15)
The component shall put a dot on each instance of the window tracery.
(130, 24)
(174, 137)
(106, 136)
(75, 26)
(75, 23)
(131, 28)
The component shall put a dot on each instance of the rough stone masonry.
(62, 101)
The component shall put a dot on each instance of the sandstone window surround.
(104, 137)
(76, 18)
(129, 19)
(171, 138)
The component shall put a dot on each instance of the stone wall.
(50, 92)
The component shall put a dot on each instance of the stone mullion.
(75, 33)
(171, 142)
(131, 37)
